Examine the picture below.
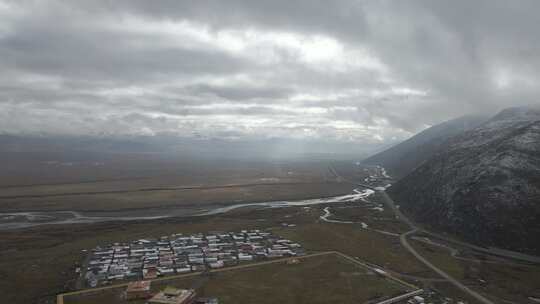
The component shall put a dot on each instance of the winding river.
(17, 220)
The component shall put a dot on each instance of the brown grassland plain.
(321, 279)
(130, 185)
(41, 260)
(501, 281)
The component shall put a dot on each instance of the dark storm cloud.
(371, 71)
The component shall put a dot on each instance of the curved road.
(403, 239)
(476, 295)
(491, 251)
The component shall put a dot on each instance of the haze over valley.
(238, 151)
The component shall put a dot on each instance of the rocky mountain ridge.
(484, 185)
(404, 157)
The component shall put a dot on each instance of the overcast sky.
(363, 71)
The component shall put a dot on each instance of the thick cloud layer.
(362, 71)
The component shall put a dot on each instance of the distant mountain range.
(480, 183)
(176, 146)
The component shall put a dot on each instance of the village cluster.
(177, 254)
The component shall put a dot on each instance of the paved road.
(387, 274)
(417, 278)
(476, 295)
(389, 202)
(60, 297)
(343, 179)
(403, 239)
(491, 251)
(496, 252)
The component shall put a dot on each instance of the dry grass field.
(322, 279)
(42, 260)
(139, 182)
(501, 281)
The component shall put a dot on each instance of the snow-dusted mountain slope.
(404, 157)
(484, 185)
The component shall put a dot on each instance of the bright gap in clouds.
(261, 46)
(320, 53)
(365, 72)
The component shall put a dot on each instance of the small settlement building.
(171, 295)
(138, 290)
